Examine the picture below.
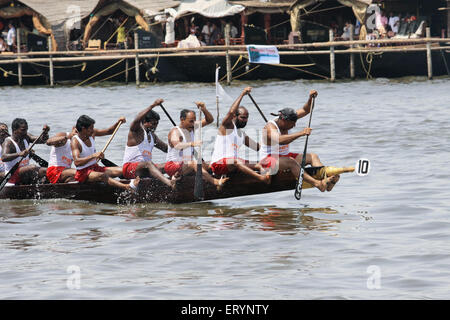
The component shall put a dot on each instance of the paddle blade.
(108, 163)
(198, 188)
(39, 160)
(299, 186)
(9, 175)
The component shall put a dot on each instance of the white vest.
(140, 153)
(23, 163)
(61, 156)
(183, 155)
(274, 149)
(86, 152)
(227, 146)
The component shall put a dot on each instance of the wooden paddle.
(106, 162)
(298, 187)
(198, 187)
(257, 107)
(168, 115)
(16, 166)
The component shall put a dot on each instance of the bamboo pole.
(136, 60)
(332, 59)
(352, 55)
(227, 57)
(233, 47)
(218, 53)
(19, 65)
(49, 39)
(429, 58)
(126, 65)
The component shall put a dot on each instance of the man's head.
(19, 128)
(241, 117)
(150, 121)
(85, 125)
(3, 131)
(287, 118)
(187, 119)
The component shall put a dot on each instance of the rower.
(3, 135)
(137, 160)
(181, 145)
(60, 164)
(15, 147)
(85, 156)
(229, 139)
(275, 146)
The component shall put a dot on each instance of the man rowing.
(275, 146)
(60, 163)
(137, 160)
(3, 135)
(230, 138)
(85, 156)
(181, 145)
(15, 149)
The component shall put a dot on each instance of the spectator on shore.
(394, 22)
(193, 29)
(206, 31)
(381, 21)
(11, 37)
(347, 30)
(170, 29)
(215, 34)
(233, 30)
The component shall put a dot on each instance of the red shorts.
(173, 167)
(53, 173)
(83, 174)
(129, 170)
(270, 162)
(220, 167)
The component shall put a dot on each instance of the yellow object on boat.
(320, 173)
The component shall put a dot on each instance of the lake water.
(382, 236)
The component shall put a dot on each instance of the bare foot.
(173, 182)
(332, 181)
(321, 185)
(267, 178)
(134, 184)
(220, 182)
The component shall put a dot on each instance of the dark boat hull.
(150, 190)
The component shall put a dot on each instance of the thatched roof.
(264, 4)
(57, 12)
(152, 7)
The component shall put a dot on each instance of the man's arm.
(175, 141)
(110, 130)
(208, 116)
(31, 138)
(136, 124)
(227, 120)
(76, 150)
(252, 144)
(307, 107)
(272, 136)
(10, 153)
(161, 145)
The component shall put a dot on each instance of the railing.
(356, 46)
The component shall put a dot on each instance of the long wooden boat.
(153, 191)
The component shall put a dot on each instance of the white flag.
(220, 92)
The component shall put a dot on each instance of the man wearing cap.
(275, 146)
(230, 138)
